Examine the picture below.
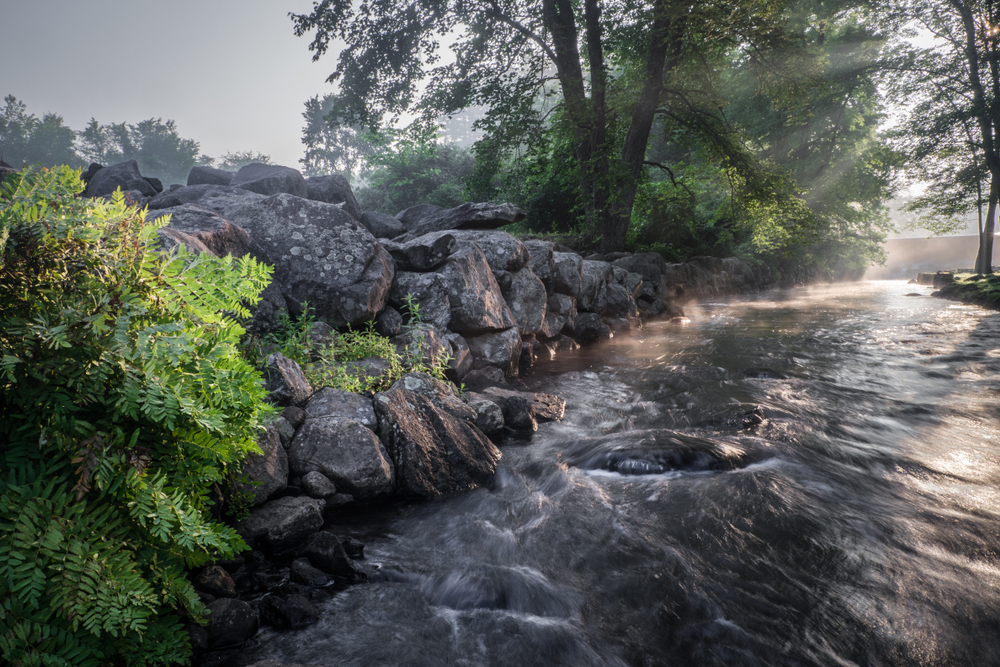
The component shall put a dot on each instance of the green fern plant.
(123, 401)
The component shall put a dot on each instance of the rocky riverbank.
(492, 302)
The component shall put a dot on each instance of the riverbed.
(799, 477)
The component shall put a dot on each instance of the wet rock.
(266, 473)
(524, 409)
(764, 374)
(333, 189)
(489, 415)
(752, 418)
(531, 348)
(353, 547)
(423, 253)
(560, 315)
(270, 179)
(411, 216)
(325, 552)
(330, 402)
(290, 613)
(540, 260)
(382, 226)
(316, 485)
(280, 522)
(467, 216)
(479, 379)
(567, 276)
(590, 328)
(209, 176)
(320, 255)
(595, 277)
(215, 581)
(477, 304)
(302, 572)
(434, 452)
(285, 382)
(388, 322)
(231, 622)
(527, 300)
(124, 175)
(501, 350)
(346, 452)
(429, 294)
(561, 343)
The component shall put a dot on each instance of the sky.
(231, 73)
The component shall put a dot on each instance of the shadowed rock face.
(212, 230)
(124, 175)
(477, 304)
(466, 216)
(270, 179)
(209, 176)
(334, 189)
(218, 198)
(321, 255)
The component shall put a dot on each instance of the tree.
(332, 147)
(587, 54)
(154, 144)
(234, 160)
(951, 133)
(24, 139)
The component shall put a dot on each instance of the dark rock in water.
(434, 452)
(325, 552)
(330, 402)
(752, 418)
(285, 381)
(292, 613)
(764, 374)
(216, 581)
(346, 452)
(423, 253)
(266, 473)
(531, 349)
(654, 452)
(124, 175)
(467, 216)
(302, 572)
(353, 547)
(589, 328)
(321, 255)
(333, 189)
(270, 179)
(481, 378)
(561, 343)
(231, 622)
(411, 216)
(317, 485)
(388, 322)
(209, 176)
(219, 235)
(382, 226)
(427, 291)
(524, 409)
(282, 522)
(489, 415)
(477, 304)
(913, 294)
(500, 349)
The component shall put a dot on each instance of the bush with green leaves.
(124, 402)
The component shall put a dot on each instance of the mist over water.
(663, 523)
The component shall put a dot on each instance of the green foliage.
(154, 144)
(123, 402)
(24, 139)
(333, 147)
(233, 160)
(983, 290)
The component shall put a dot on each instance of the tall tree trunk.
(984, 260)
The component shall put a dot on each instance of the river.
(658, 524)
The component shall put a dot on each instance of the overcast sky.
(230, 72)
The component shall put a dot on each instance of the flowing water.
(857, 524)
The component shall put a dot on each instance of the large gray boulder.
(477, 304)
(209, 176)
(269, 312)
(280, 522)
(320, 255)
(427, 291)
(499, 349)
(346, 452)
(619, 303)
(460, 357)
(527, 300)
(422, 254)
(442, 395)
(503, 252)
(124, 175)
(540, 260)
(266, 473)
(381, 225)
(567, 277)
(595, 278)
(421, 342)
(285, 382)
(411, 216)
(331, 402)
(467, 216)
(435, 452)
(218, 198)
(270, 179)
(524, 410)
(220, 236)
(650, 266)
(333, 189)
(560, 315)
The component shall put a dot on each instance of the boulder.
(460, 357)
(423, 343)
(540, 260)
(270, 179)
(489, 415)
(281, 522)
(219, 235)
(209, 176)
(503, 252)
(124, 175)
(531, 348)
(440, 394)
(316, 485)
(267, 315)
(381, 226)
(633, 283)
(388, 322)
(346, 452)
(331, 402)
(435, 453)
(155, 182)
(333, 189)
(619, 303)
(291, 613)
(467, 216)
(527, 300)
(86, 176)
(320, 255)
(428, 292)
(411, 216)
(285, 381)
(230, 623)
(302, 572)
(423, 253)
(649, 266)
(266, 473)
(479, 379)
(560, 314)
(218, 198)
(595, 278)
(589, 328)
(539, 407)
(501, 350)
(285, 429)
(326, 553)
(561, 343)
(296, 416)
(567, 277)
(214, 580)
(477, 304)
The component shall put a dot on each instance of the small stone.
(216, 581)
(325, 552)
(316, 485)
(302, 572)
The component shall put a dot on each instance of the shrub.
(123, 402)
